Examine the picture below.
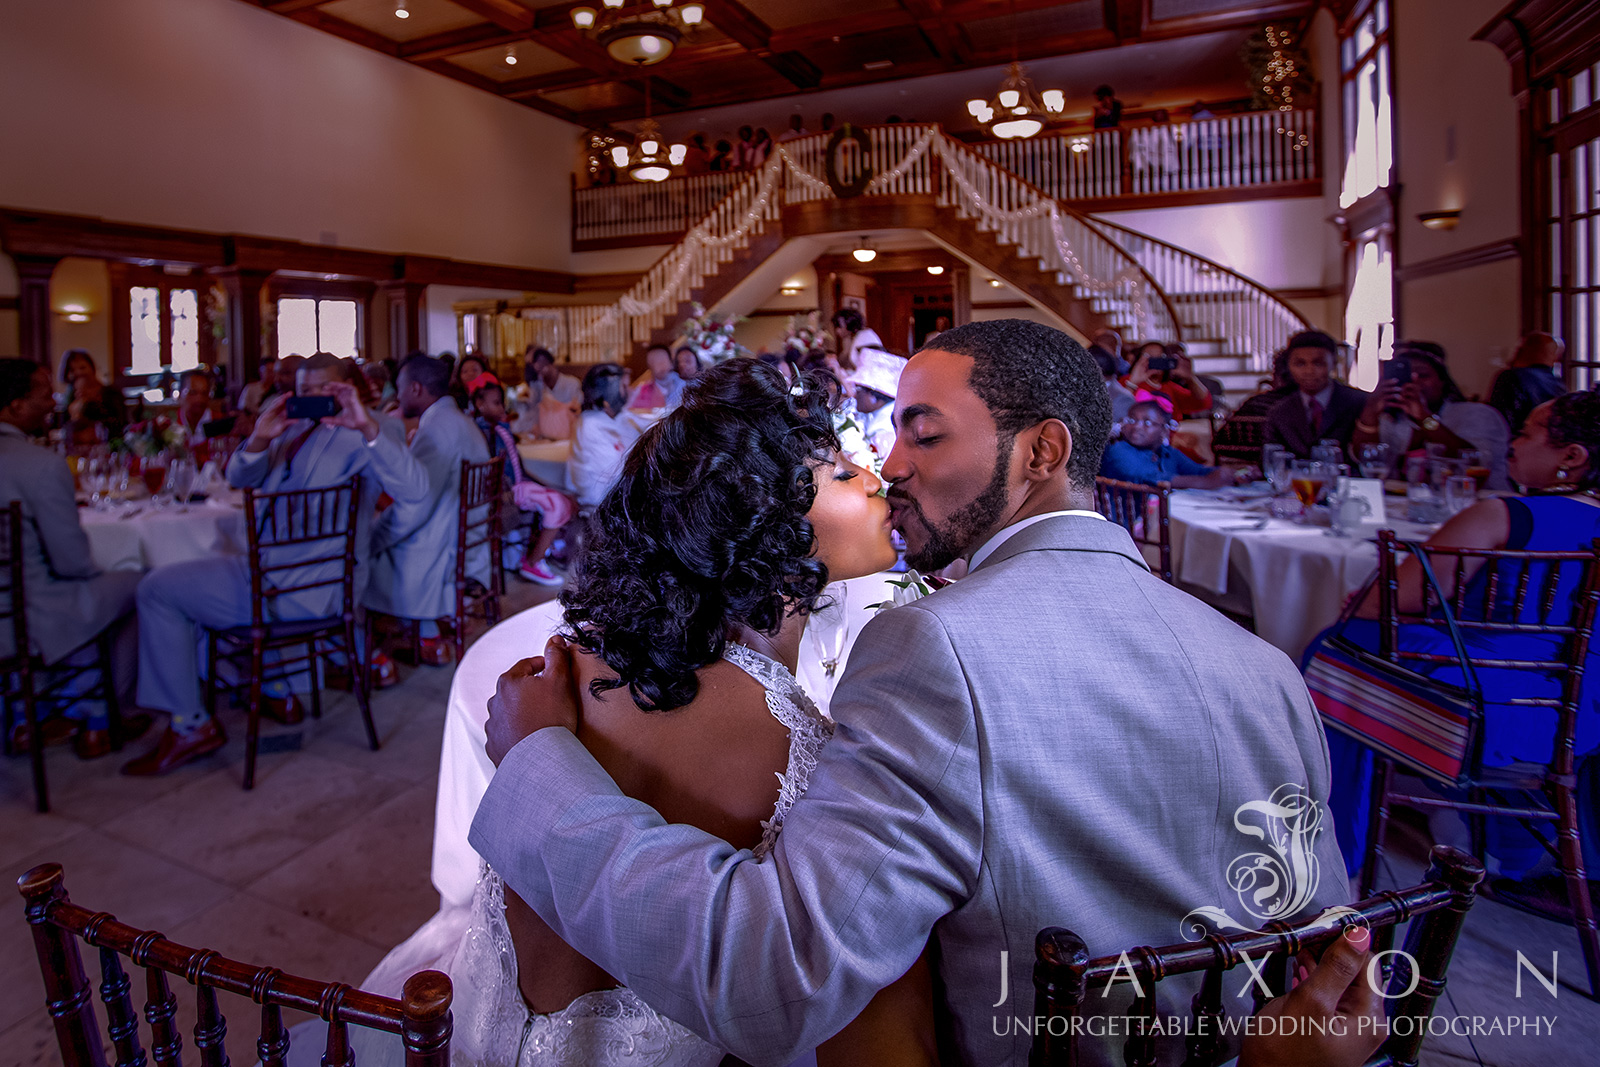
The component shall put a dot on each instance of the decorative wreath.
(841, 189)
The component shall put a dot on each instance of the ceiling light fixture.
(511, 55)
(651, 159)
(1017, 110)
(864, 252)
(639, 38)
(400, 11)
(994, 283)
(936, 269)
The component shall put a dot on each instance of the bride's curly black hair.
(705, 530)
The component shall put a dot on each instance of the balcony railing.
(1091, 171)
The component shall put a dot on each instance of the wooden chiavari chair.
(1554, 683)
(1239, 438)
(38, 687)
(1065, 978)
(1129, 505)
(421, 1018)
(301, 542)
(479, 527)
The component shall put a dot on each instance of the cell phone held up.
(1397, 370)
(311, 407)
(1166, 363)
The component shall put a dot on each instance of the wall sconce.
(74, 313)
(791, 288)
(1440, 220)
(994, 283)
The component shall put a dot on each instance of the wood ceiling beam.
(945, 38)
(289, 7)
(348, 30)
(455, 42)
(507, 14)
(741, 24)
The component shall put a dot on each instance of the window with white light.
(163, 328)
(1570, 252)
(1369, 313)
(1368, 114)
(310, 324)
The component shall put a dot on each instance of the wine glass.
(1326, 451)
(1374, 460)
(180, 481)
(1279, 466)
(1476, 465)
(1310, 480)
(1460, 492)
(154, 472)
(1267, 452)
(96, 479)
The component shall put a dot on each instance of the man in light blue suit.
(414, 544)
(280, 454)
(1058, 739)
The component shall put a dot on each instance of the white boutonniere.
(911, 586)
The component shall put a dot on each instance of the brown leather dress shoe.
(285, 710)
(55, 730)
(173, 750)
(435, 652)
(92, 744)
(384, 671)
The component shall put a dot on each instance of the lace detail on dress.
(808, 729)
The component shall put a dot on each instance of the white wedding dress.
(608, 1028)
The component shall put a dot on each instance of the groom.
(1060, 738)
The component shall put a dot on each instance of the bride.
(730, 517)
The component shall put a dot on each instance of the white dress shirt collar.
(987, 549)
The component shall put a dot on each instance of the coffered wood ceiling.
(754, 49)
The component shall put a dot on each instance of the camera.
(1166, 363)
(311, 407)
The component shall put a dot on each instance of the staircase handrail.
(1264, 296)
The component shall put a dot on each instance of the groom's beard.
(957, 535)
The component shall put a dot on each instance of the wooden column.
(408, 322)
(244, 320)
(960, 294)
(33, 306)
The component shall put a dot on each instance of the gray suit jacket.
(1058, 739)
(414, 544)
(69, 600)
(331, 455)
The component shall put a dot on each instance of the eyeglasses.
(1154, 424)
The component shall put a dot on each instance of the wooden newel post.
(426, 1032)
(67, 991)
(1061, 963)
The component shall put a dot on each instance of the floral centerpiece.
(805, 332)
(152, 437)
(710, 337)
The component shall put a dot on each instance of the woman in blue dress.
(1556, 461)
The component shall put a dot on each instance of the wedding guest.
(1145, 455)
(1416, 403)
(1121, 398)
(972, 786)
(381, 386)
(853, 336)
(877, 381)
(745, 151)
(1172, 377)
(827, 122)
(760, 148)
(546, 509)
(70, 602)
(1111, 341)
(697, 157)
(264, 388)
(176, 600)
(1529, 379)
(1241, 440)
(797, 129)
(553, 398)
(604, 435)
(466, 370)
(722, 158)
(1107, 108)
(663, 389)
(686, 361)
(1556, 461)
(1321, 408)
(414, 544)
(94, 412)
(196, 414)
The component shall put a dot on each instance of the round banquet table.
(546, 462)
(1293, 579)
(136, 537)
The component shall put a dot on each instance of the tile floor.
(324, 866)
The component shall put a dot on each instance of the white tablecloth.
(1296, 578)
(546, 462)
(138, 537)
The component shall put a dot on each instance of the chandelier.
(650, 159)
(1017, 110)
(639, 38)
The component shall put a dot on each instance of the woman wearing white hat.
(876, 378)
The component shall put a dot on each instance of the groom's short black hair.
(1026, 372)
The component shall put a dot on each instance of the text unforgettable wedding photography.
(701, 533)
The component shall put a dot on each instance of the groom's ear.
(1048, 451)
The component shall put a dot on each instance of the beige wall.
(1280, 244)
(84, 283)
(1449, 88)
(214, 115)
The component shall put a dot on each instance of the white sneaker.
(539, 572)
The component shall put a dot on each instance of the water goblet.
(1476, 465)
(180, 481)
(1460, 493)
(1374, 460)
(1326, 451)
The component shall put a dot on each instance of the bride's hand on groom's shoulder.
(535, 693)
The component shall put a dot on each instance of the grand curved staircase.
(1085, 272)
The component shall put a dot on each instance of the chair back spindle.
(420, 1019)
(479, 527)
(1145, 511)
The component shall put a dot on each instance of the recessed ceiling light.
(400, 11)
(878, 64)
(511, 55)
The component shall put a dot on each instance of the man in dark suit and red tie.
(1320, 409)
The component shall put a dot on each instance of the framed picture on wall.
(857, 302)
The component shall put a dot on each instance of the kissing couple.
(686, 860)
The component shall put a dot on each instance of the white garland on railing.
(913, 154)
